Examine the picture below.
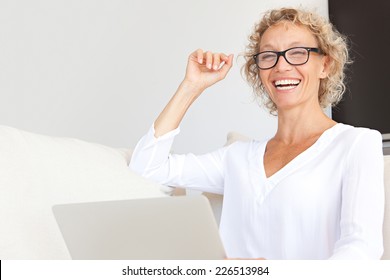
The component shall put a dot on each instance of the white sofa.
(37, 172)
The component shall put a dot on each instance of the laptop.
(170, 228)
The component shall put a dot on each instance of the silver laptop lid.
(156, 228)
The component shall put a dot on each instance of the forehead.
(287, 34)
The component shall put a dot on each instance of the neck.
(297, 124)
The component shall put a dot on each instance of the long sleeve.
(362, 206)
(152, 159)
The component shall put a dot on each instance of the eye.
(267, 56)
(297, 53)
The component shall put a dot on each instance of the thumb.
(227, 66)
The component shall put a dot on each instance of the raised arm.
(151, 157)
(203, 70)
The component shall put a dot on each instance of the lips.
(287, 84)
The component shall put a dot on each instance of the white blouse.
(328, 202)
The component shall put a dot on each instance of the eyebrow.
(292, 45)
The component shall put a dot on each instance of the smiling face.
(290, 86)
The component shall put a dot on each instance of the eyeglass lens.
(294, 56)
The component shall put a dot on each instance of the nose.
(282, 64)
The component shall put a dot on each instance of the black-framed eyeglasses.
(294, 56)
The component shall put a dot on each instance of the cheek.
(263, 76)
(312, 73)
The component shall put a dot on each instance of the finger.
(209, 60)
(224, 57)
(199, 55)
(216, 61)
(230, 60)
(227, 66)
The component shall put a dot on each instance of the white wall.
(103, 70)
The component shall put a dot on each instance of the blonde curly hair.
(330, 42)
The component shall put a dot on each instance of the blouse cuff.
(168, 135)
(149, 140)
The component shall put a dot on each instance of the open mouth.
(286, 84)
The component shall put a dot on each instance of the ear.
(325, 67)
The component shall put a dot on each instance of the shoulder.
(358, 135)
(359, 144)
(245, 148)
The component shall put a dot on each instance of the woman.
(315, 189)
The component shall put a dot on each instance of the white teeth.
(285, 87)
(287, 82)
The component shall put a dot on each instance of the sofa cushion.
(37, 172)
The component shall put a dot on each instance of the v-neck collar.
(299, 160)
